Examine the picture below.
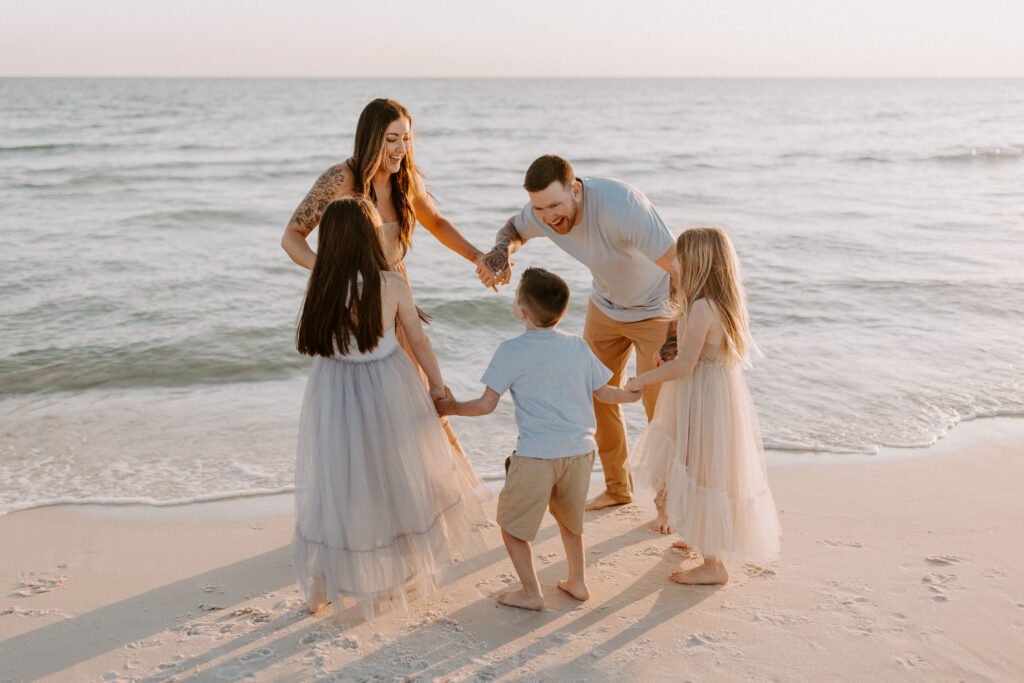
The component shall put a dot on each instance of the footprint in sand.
(33, 585)
(757, 570)
(939, 585)
(261, 653)
(845, 544)
(910, 661)
(255, 615)
(22, 612)
(944, 560)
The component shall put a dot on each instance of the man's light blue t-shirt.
(619, 238)
(552, 376)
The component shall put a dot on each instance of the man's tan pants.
(612, 342)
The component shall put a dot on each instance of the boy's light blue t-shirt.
(619, 238)
(552, 376)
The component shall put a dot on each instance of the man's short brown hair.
(544, 295)
(546, 170)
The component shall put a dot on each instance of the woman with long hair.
(382, 168)
(382, 503)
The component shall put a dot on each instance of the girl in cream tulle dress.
(383, 503)
(702, 451)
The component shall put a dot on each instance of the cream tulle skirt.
(383, 505)
(702, 453)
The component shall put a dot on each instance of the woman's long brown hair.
(368, 156)
(710, 269)
(343, 295)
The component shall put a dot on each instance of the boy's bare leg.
(576, 584)
(521, 554)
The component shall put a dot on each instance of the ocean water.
(147, 311)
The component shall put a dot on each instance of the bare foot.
(711, 572)
(577, 589)
(661, 524)
(319, 598)
(601, 501)
(520, 599)
(313, 608)
(681, 544)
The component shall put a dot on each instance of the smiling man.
(610, 227)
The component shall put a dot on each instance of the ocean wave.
(194, 216)
(8, 508)
(975, 154)
(168, 364)
(54, 147)
(871, 159)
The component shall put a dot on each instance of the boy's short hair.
(546, 170)
(544, 295)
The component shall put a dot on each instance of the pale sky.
(516, 38)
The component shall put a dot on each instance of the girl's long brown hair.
(710, 269)
(343, 295)
(368, 156)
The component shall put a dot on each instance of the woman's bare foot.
(681, 544)
(577, 589)
(661, 524)
(601, 501)
(520, 599)
(711, 572)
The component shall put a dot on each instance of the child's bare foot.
(577, 589)
(711, 572)
(520, 599)
(681, 544)
(601, 501)
(314, 607)
(318, 600)
(661, 524)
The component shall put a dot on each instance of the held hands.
(494, 268)
(667, 352)
(633, 386)
(444, 403)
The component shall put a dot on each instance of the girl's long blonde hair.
(710, 269)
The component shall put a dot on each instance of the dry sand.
(907, 569)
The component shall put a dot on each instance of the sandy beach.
(891, 568)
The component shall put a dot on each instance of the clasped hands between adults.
(494, 269)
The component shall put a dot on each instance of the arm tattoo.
(312, 207)
(507, 241)
(669, 349)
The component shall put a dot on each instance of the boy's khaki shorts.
(532, 484)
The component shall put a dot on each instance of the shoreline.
(905, 568)
(963, 435)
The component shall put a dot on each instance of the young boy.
(554, 378)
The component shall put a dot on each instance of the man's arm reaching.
(495, 267)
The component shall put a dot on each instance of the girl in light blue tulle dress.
(382, 503)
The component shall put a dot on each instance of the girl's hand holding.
(633, 385)
(445, 403)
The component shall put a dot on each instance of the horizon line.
(522, 78)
